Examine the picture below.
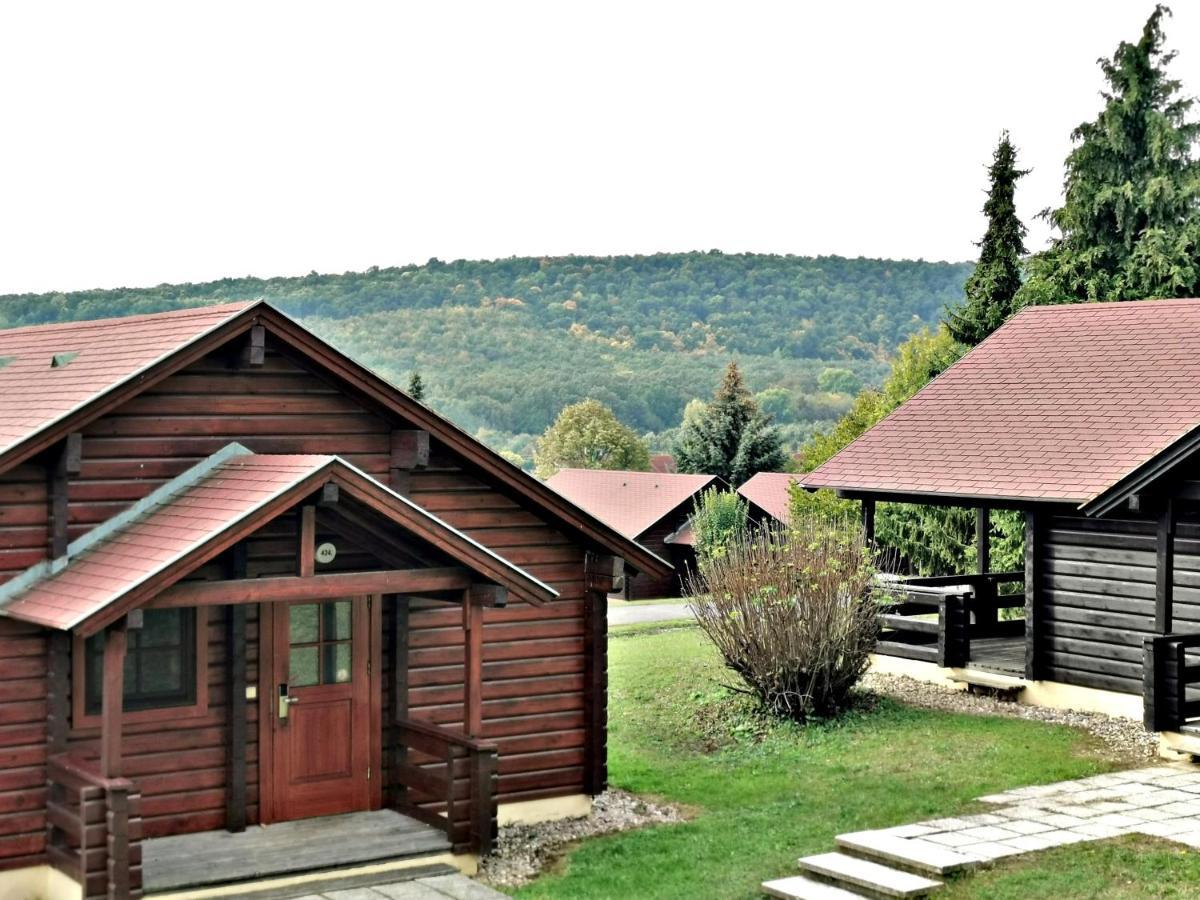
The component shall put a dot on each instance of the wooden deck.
(1004, 655)
(213, 858)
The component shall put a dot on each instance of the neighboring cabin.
(1087, 419)
(653, 508)
(770, 492)
(246, 581)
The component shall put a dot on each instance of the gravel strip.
(523, 851)
(1126, 738)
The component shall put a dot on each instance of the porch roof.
(1061, 404)
(194, 517)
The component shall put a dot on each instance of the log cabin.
(263, 615)
(1085, 419)
(770, 492)
(653, 508)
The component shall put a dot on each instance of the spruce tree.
(730, 437)
(992, 288)
(416, 386)
(1130, 222)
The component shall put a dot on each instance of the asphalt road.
(632, 614)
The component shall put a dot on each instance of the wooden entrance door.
(321, 742)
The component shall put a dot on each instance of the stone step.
(797, 887)
(911, 854)
(866, 876)
(992, 681)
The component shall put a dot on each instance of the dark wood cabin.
(653, 508)
(770, 492)
(1086, 418)
(248, 582)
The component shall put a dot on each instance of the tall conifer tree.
(1130, 221)
(992, 288)
(730, 437)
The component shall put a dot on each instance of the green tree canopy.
(416, 386)
(588, 435)
(1129, 226)
(991, 289)
(730, 436)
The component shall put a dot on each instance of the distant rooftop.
(629, 502)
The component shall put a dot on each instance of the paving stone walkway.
(1163, 801)
(434, 887)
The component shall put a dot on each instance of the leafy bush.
(721, 518)
(789, 612)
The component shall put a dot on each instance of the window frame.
(80, 716)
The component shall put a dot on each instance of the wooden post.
(235, 656)
(601, 574)
(1164, 587)
(483, 801)
(117, 822)
(306, 553)
(1033, 611)
(868, 520)
(58, 685)
(67, 462)
(985, 591)
(983, 542)
(256, 346)
(112, 699)
(473, 660)
(409, 451)
(1156, 705)
(399, 694)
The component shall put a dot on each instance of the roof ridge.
(181, 313)
(1108, 304)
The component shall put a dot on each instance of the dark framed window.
(160, 663)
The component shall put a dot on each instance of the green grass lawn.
(761, 795)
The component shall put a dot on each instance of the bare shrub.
(790, 612)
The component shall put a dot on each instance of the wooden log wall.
(1097, 600)
(533, 657)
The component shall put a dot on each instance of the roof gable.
(50, 371)
(191, 518)
(769, 491)
(630, 502)
(191, 333)
(1059, 404)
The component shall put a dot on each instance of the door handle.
(285, 701)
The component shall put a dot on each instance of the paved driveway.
(631, 614)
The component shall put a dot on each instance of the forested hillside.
(503, 345)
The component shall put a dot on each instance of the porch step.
(910, 854)
(797, 887)
(1005, 686)
(336, 880)
(866, 877)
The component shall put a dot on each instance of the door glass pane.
(303, 666)
(337, 663)
(337, 621)
(304, 625)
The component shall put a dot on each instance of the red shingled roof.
(629, 502)
(769, 492)
(1057, 405)
(187, 515)
(93, 357)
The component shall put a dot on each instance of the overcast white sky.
(158, 142)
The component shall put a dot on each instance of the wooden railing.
(447, 780)
(93, 828)
(935, 619)
(1168, 675)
